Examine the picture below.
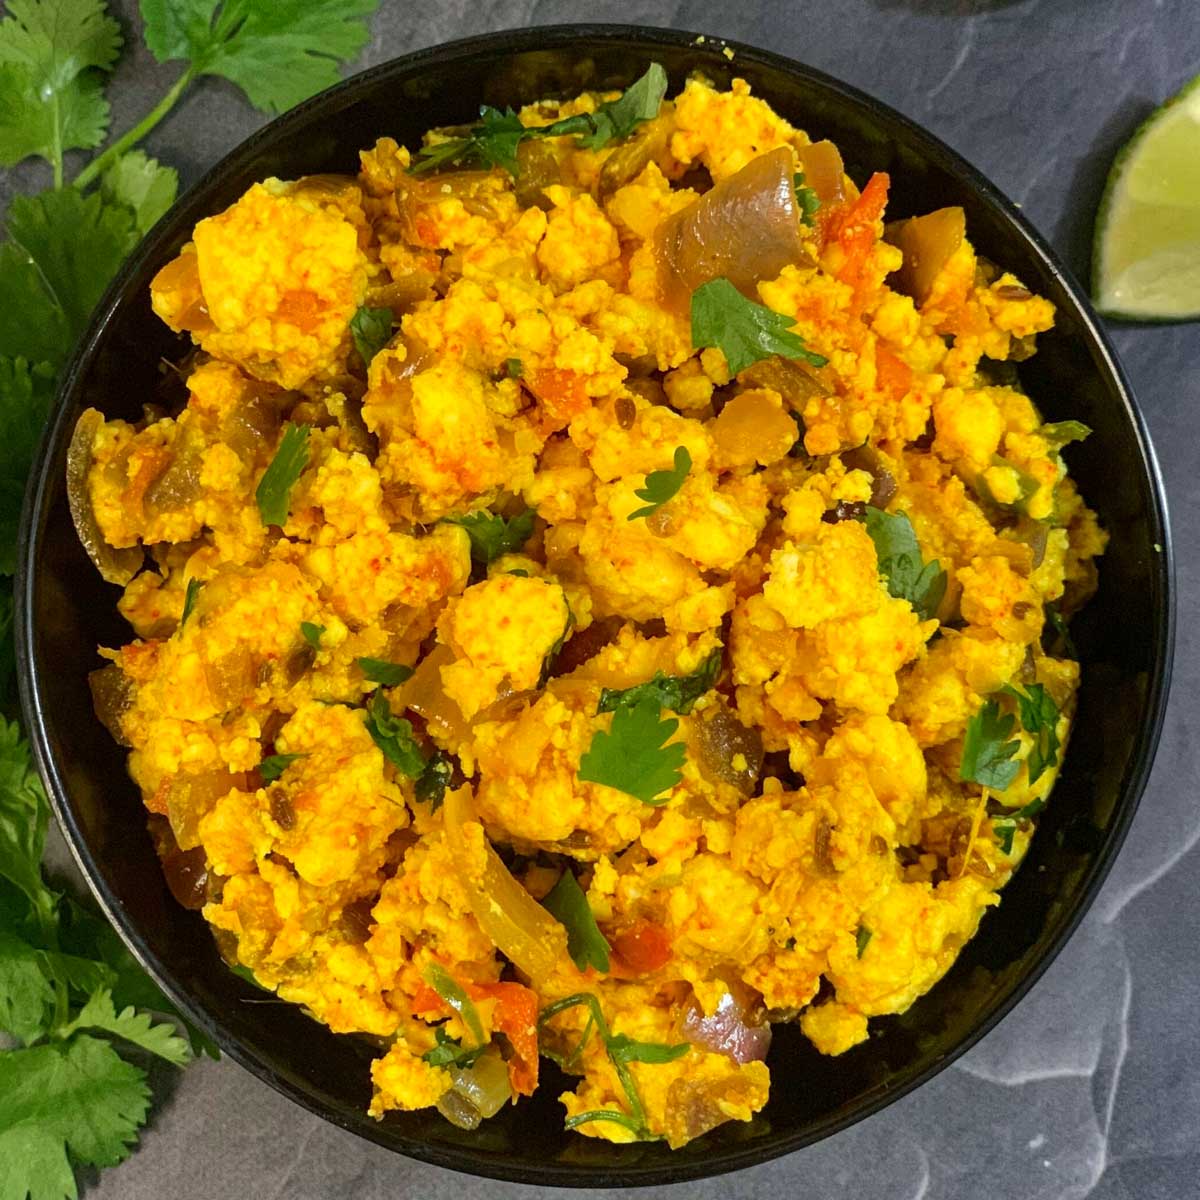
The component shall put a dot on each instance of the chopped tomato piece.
(516, 1017)
(560, 394)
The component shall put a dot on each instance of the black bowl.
(1124, 636)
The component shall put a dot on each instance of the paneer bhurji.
(598, 590)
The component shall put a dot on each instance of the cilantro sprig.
(380, 670)
(493, 535)
(662, 486)
(1005, 827)
(635, 755)
(274, 491)
(989, 749)
(745, 332)
(394, 736)
(1039, 717)
(371, 329)
(806, 198)
(676, 692)
(494, 140)
(450, 1052)
(71, 998)
(909, 577)
(274, 765)
(622, 1050)
(568, 904)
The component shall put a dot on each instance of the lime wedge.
(1146, 256)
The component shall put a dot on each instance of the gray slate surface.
(1092, 1087)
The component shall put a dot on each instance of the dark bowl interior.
(1124, 637)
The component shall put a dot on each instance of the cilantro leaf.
(514, 368)
(144, 186)
(676, 692)
(450, 1052)
(51, 99)
(62, 250)
(618, 118)
(26, 991)
(452, 993)
(1005, 827)
(394, 736)
(491, 143)
(274, 491)
(76, 1098)
(862, 939)
(568, 905)
(745, 332)
(278, 52)
(1059, 433)
(379, 670)
(24, 815)
(25, 396)
(632, 756)
(274, 765)
(806, 198)
(494, 141)
(492, 535)
(189, 600)
(988, 754)
(624, 1049)
(434, 779)
(922, 584)
(133, 1026)
(1039, 717)
(371, 329)
(661, 486)
(311, 633)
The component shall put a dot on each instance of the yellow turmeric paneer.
(534, 676)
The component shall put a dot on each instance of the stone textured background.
(1092, 1086)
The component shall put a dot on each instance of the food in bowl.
(598, 591)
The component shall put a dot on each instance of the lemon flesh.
(1146, 264)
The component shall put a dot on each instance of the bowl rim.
(468, 1159)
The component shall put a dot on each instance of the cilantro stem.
(131, 137)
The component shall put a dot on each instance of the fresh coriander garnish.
(568, 904)
(632, 756)
(312, 633)
(989, 750)
(556, 649)
(452, 993)
(676, 692)
(394, 736)
(65, 978)
(745, 332)
(661, 486)
(434, 779)
(492, 535)
(862, 939)
(1039, 717)
(514, 368)
(922, 584)
(621, 1050)
(274, 491)
(379, 670)
(189, 599)
(1006, 826)
(618, 118)
(494, 140)
(274, 765)
(450, 1052)
(806, 198)
(371, 329)
(1060, 433)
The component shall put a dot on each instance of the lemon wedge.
(1146, 255)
